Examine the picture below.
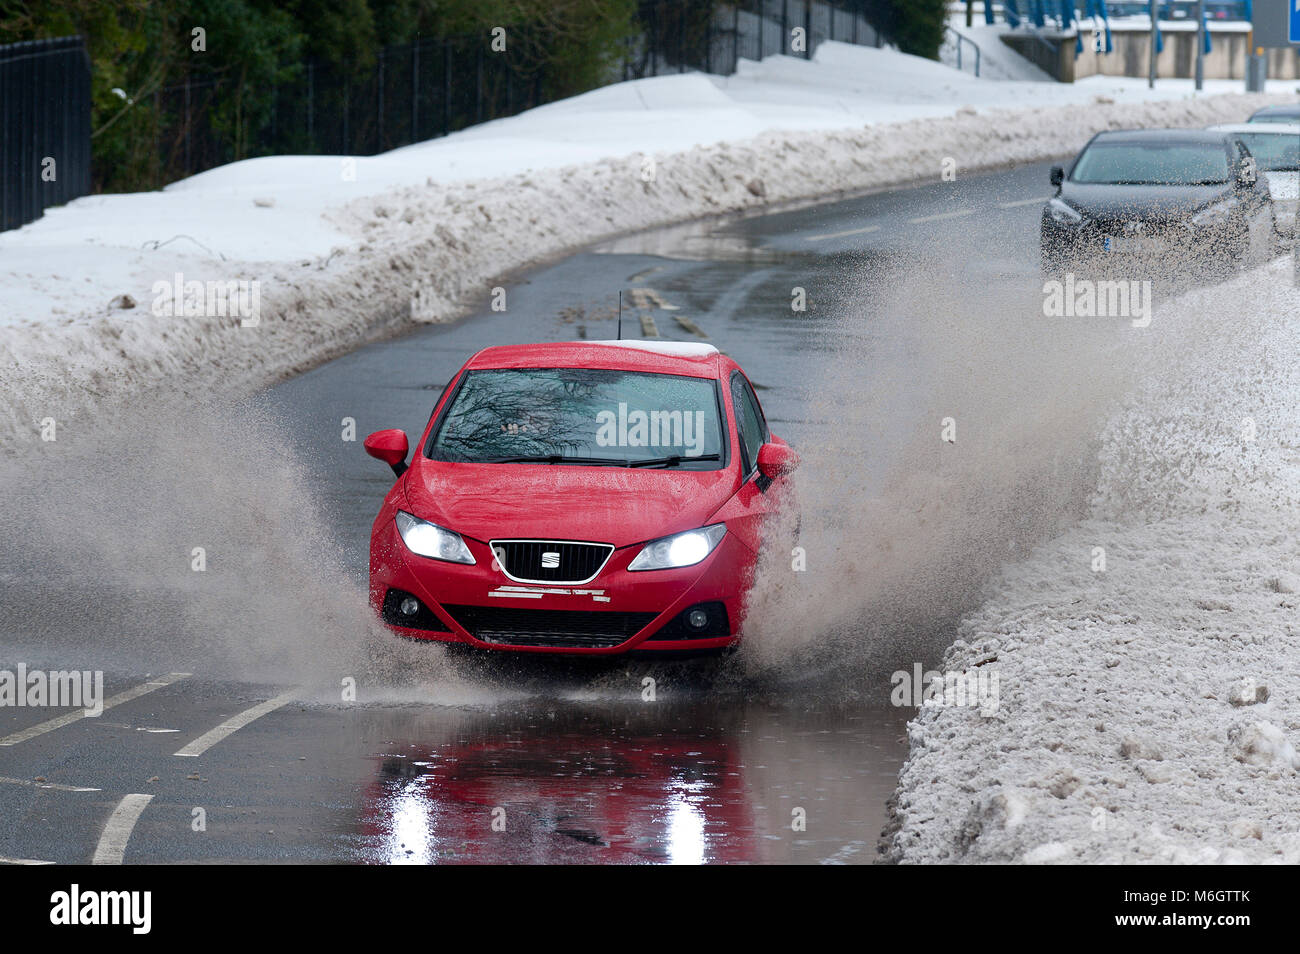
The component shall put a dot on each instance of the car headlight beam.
(681, 549)
(430, 540)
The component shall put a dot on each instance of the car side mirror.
(390, 446)
(1057, 175)
(776, 459)
(1247, 173)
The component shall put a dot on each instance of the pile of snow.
(347, 249)
(1149, 698)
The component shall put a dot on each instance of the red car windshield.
(581, 416)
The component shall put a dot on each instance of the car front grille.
(580, 629)
(551, 561)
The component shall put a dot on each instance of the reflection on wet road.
(632, 783)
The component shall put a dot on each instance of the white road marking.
(648, 329)
(833, 235)
(23, 861)
(959, 213)
(118, 828)
(4, 780)
(134, 693)
(690, 326)
(234, 724)
(646, 298)
(658, 299)
(101, 724)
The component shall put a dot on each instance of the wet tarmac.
(464, 763)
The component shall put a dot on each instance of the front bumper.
(1110, 249)
(619, 611)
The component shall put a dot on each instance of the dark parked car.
(1159, 202)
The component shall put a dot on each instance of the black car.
(1276, 114)
(1160, 202)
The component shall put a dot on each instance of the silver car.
(1276, 148)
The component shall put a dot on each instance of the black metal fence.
(44, 127)
(415, 91)
(681, 35)
(430, 88)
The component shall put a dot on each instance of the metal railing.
(44, 127)
(964, 39)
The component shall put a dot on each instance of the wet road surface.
(540, 763)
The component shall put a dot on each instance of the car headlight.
(1215, 215)
(1062, 214)
(430, 540)
(681, 549)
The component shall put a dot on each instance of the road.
(229, 736)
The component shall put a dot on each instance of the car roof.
(1281, 108)
(694, 359)
(1161, 135)
(1265, 129)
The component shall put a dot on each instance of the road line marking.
(5, 780)
(647, 298)
(234, 724)
(658, 300)
(133, 693)
(23, 861)
(118, 828)
(1016, 205)
(690, 326)
(648, 329)
(832, 235)
(960, 213)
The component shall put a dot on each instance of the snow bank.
(350, 249)
(1149, 711)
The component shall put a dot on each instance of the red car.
(584, 497)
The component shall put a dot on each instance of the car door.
(750, 506)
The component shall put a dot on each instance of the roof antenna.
(620, 314)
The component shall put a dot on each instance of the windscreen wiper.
(554, 459)
(672, 461)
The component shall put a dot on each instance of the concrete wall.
(1132, 47)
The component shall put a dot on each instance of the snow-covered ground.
(1149, 705)
(75, 260)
